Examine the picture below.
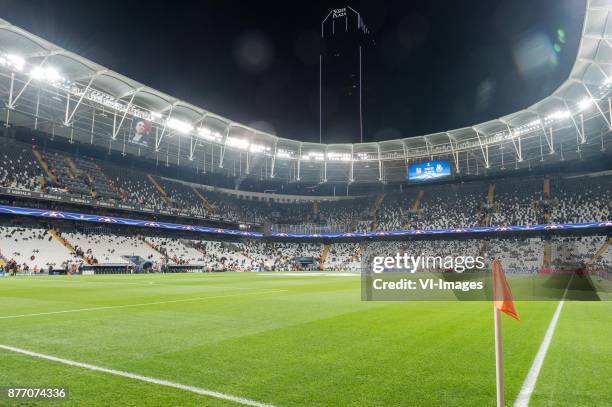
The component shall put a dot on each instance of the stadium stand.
(445, 206)
(515, 201)
(18, 168)
(497, 202)
(581, 199)
(99, 183)
(62, 167)
(175, 250)
(451, 206)
(134, 187)
(36, 247)
(33, 248)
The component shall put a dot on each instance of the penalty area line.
(161, 382)
(144, 304)
(532, 377)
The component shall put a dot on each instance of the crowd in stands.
(18, 168)
(32, 249)
(451, 206)
(135, 187)
(395, 211)
(101, 186)
(580, 200)
(515, 202)
(38, 249)
(497, 202)
(175, 251)
(64, 175)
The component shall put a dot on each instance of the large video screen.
(429, 171)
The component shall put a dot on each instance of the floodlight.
(283, 154)
(16, 61)
(258, 148)
(559, 114)
(45, 73)
(37, 72)
(585, 104)
(238, 143)
(179, 125)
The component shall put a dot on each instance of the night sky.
(437, 65)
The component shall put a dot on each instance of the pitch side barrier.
(604, 228)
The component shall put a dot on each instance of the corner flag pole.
(502, 302)
(499, 357)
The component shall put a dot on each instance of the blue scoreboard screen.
(429, 171)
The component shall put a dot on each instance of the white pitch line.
(136, 305)
(273, 274)
(532, 377)
(147, 283)
(161, 382)
(92, 282)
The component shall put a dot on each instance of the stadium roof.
(49, 88)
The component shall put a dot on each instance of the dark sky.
(437, 65)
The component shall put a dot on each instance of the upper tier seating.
(18, 168)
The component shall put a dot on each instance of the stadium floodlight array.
(585, 104)
(179, 125)
(314, 156)
(258, 148)
(362, 157)
(237, 143)
(12, 61)
(282, 153)
(49, 74)
(53, 77)
(337, 156)
(208, 134)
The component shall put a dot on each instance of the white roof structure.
(48, 88)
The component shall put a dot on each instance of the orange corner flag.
(502, 296)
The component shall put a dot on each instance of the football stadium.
(156, 253)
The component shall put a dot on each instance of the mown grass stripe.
(144, 304)
(161, 382)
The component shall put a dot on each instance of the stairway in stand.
(417, 201)
(152, 246)
(161, 190)
(43, 164)
(323, 257)
(547, 253)
(490, 202)
(602, 249)
(64, 242)
(74, 172)
(547, 187)
(207, 204)
(374, 210)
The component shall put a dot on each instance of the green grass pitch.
(289, 341)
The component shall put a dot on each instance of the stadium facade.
(51, 89)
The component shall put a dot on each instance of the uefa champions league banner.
(67, 198)
(13, 210)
